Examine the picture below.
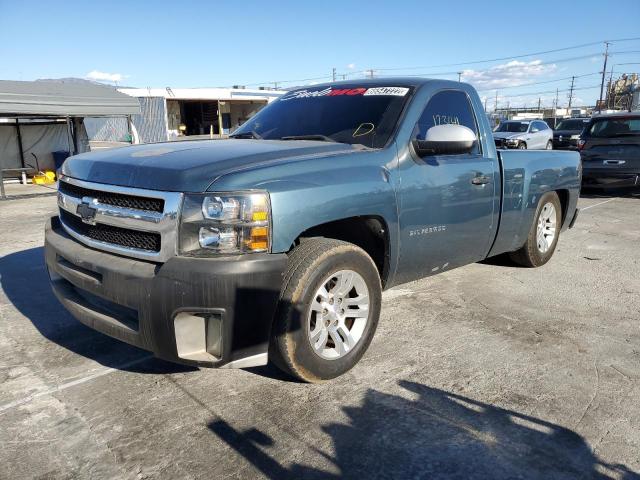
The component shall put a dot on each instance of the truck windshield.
(346, 113)
(614, 127)
(571, 125)
(515, 127)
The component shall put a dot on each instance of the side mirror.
(448, 139)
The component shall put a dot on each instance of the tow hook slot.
(199, 336)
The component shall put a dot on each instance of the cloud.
(351, 66)
(509, 74)
(99, 76)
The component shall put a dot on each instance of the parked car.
(567, 133)
(524, 134)
(610, 151)
(276, 244)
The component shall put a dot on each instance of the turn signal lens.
(258, 240)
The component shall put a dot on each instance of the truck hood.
(191, 166)
(506, 135)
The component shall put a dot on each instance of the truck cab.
(275, 244)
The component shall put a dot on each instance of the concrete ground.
(16, 190)
(487, 371)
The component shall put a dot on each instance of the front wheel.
(328, 312)
(549, 145)
(522, 146)
(543, 236)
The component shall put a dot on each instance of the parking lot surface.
(487, 371)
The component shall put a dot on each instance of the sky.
(223, 43)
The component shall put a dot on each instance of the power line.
(530, 94)
(539, 83)
(574, 47)
(369, 72)
(540, 64)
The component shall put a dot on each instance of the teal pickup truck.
(275, 244)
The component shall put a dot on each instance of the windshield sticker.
(444, 119)
(395, 91)
(337, 92)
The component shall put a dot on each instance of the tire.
(533, 252)
(549, 145)
(522, 146)
(318, 262)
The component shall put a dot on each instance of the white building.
(173, 113)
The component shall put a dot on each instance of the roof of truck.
(380, 82)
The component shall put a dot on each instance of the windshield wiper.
(249, 134)
(322, 138)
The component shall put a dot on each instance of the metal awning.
(63, 99)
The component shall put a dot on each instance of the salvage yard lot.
(487, 371)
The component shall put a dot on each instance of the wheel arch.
(369, 232)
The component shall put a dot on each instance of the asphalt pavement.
(486, 371)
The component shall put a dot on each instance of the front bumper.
(602, 178)
(565, 144)
(138, 301)
(502, 143)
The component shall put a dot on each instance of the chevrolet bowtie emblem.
(86, 211)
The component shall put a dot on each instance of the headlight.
(225, 223)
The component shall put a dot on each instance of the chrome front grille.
(128, 221)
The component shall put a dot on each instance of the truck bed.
(524, 178)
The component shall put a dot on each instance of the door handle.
(480, 180)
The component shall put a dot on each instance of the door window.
(448, 107)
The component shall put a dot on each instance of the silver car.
(524, 134)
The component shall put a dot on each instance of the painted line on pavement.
(73, 383)
(597, 204)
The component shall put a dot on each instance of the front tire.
(549, 145)
(543, 236)
(522, 146)
(328, 312)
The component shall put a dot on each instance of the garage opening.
(200, 117)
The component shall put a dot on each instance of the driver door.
(446, 216)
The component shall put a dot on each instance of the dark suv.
(610, 151)
(567, 133)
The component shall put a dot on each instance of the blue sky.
(222, 43)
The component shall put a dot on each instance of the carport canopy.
(63, 99)
(36, 108)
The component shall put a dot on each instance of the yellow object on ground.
(44, 178)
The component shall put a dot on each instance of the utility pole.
(333, 74)
(610, 90)
(275, 85)
(495, 108)
(485, 104)
(604, 71)
(459, 75)
(555, 110)
(370, 73)
(538, 104)
(571, 96)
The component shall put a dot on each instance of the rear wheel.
(329, 310)
(543, 236)
(522, 146)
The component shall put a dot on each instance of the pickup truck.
(275, 245)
